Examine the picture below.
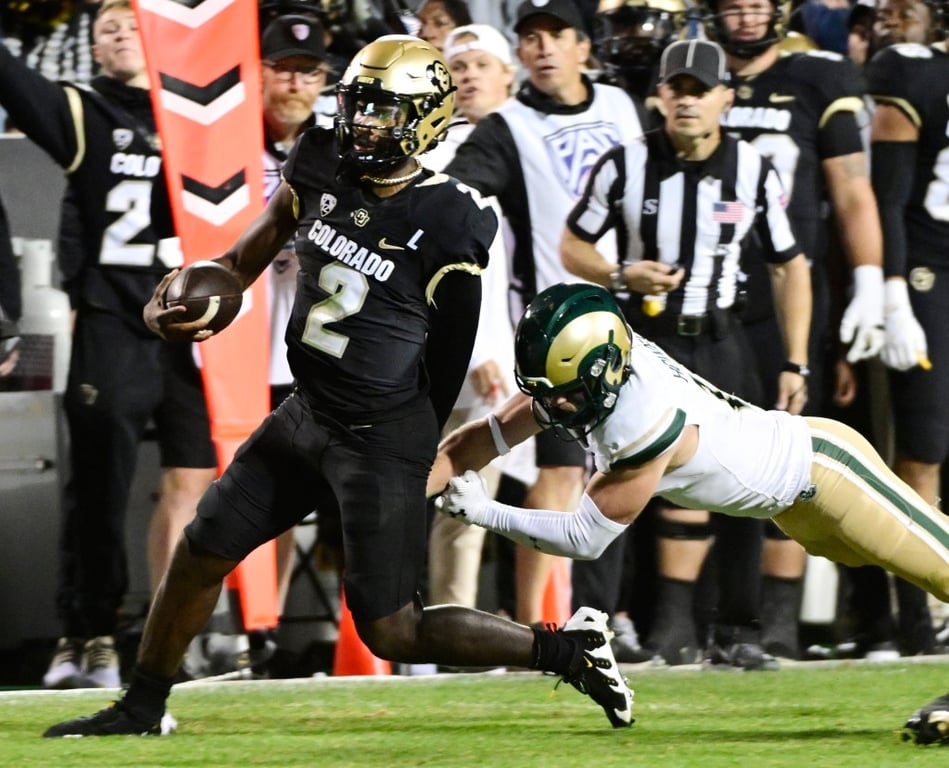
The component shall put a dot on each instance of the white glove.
(862, 322)
(465, 498)
(905, 339)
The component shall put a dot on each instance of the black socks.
(146, 695)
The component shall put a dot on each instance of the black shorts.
(553, 451)
(120, 377)
(367, 486)
(920, 402)
(182, 424)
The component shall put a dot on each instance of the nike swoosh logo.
(387, 246)
(780, 98)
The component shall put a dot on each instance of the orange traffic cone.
(255, 579)
(557, 593)
(352, 657)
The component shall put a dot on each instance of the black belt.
(674, 325)
(717, 324)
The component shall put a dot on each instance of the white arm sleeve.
(581, 535)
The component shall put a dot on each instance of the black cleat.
(593, 670)
(929, 724)
(114, 720)
(744, 657)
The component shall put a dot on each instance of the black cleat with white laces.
(929, 724)
(593, 671)
(115, 720)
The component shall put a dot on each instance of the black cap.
(861, 12)
(702, 59)
(563, 10)
(288, 36)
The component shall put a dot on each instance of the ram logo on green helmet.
(572, 350)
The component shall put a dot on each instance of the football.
(209, 291)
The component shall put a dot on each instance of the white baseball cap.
(478, 37)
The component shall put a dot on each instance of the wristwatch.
(618, 282)
(800, 370)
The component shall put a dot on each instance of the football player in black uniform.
(629, 36)
(379, 339)
(908, 79)
(117, 215)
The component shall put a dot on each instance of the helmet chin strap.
(749, 51)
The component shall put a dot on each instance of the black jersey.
(915, 79)
(104, 136)
(369, 269)
(797, 113)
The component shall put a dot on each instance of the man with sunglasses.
(379, 340)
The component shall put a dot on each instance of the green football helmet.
(571, 350)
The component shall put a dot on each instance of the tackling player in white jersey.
(655, 428)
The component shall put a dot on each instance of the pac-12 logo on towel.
(575, 150)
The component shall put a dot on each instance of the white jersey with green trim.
(749, 462)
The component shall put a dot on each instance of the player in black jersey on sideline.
(118, 221)
(908, 80)
(379, 339)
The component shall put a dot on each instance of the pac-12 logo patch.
(122, 137)
(327, 203)
(575, 150)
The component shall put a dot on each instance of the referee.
(682, 199)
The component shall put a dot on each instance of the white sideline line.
(320, 680)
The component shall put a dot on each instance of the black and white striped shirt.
(691, 214)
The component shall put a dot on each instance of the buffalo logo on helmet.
(394, 101)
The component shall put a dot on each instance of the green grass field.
(806, 715)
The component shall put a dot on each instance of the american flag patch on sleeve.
(728, 213)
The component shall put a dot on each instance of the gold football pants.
(861, 513)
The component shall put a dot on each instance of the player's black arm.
(892, 175)
(46, 112)
(11, 300)
(486, 159)
(264, 237)
(454, 323)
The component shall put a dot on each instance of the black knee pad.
(771, 531)
(673, 529)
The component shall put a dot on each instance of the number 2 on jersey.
(348, 290)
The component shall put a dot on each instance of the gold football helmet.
(571, 349)
(395, 100)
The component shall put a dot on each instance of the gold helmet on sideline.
(402, 88)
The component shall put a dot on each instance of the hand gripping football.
(209, 291)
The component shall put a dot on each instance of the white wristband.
(500, 445)
(867, 278)
(896, 295)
